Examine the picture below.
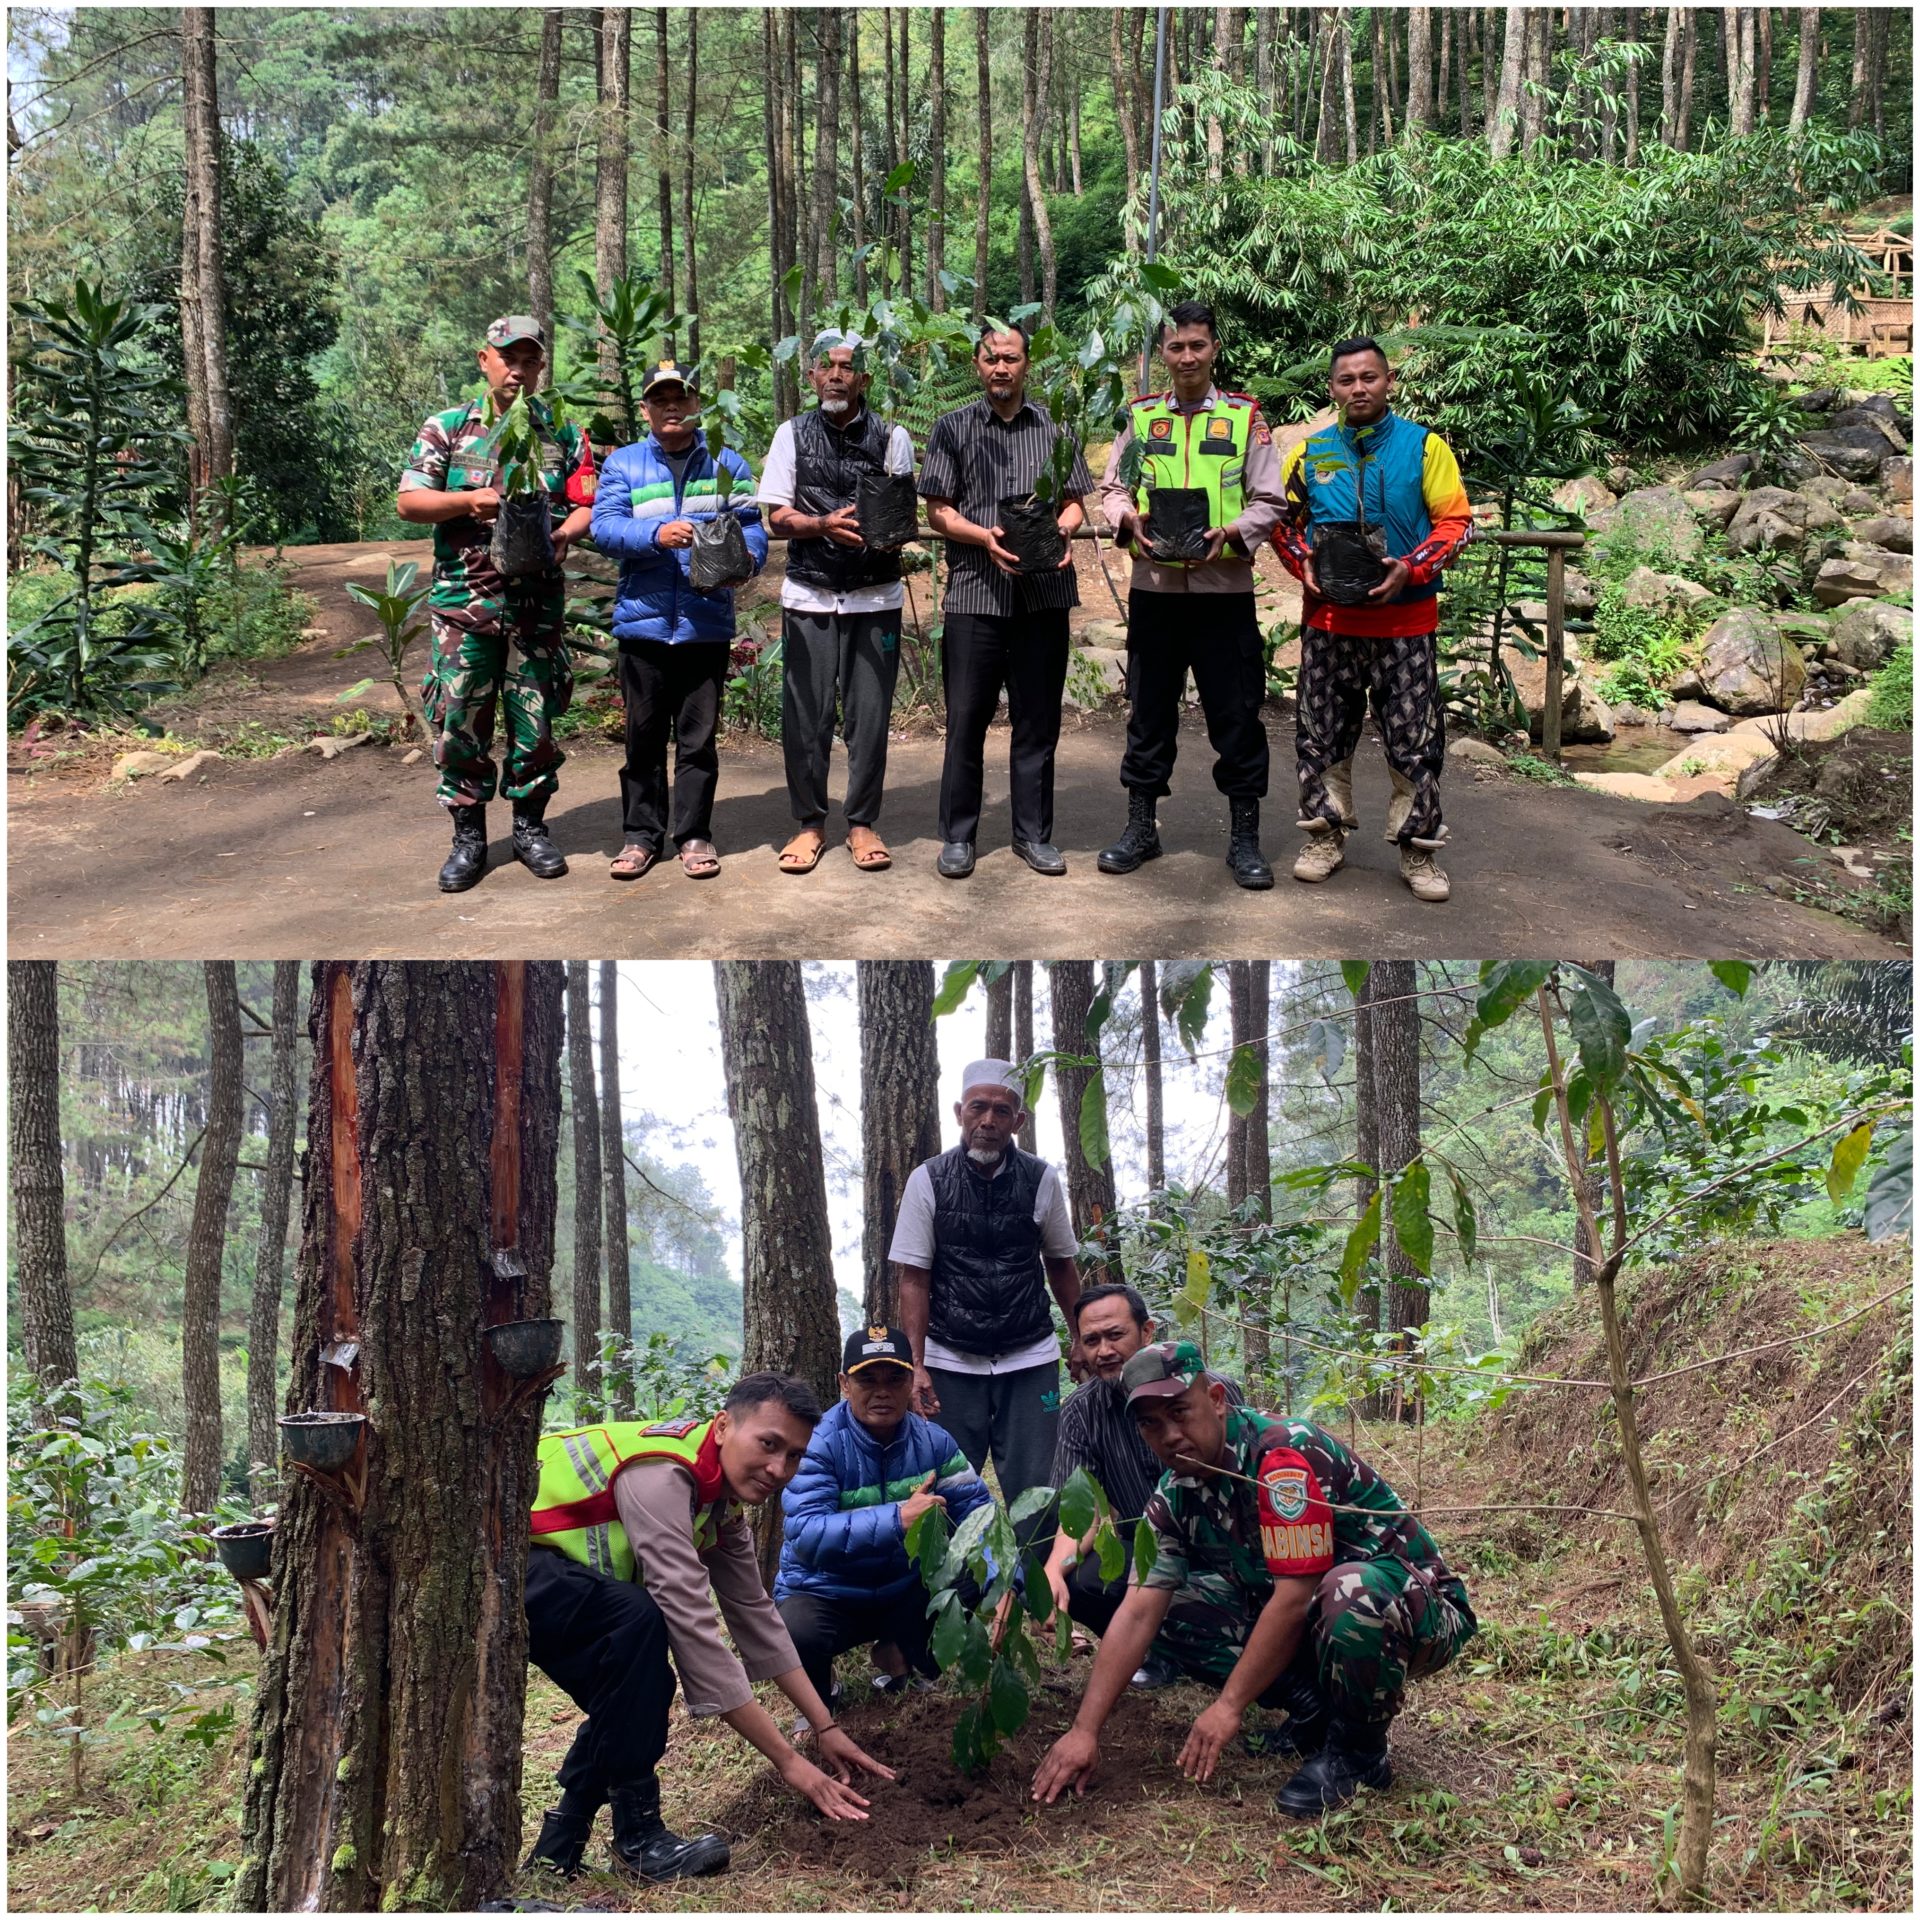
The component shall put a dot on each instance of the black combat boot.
(531, 847)
(563, 1837)
(643, 1847)
(468, 860)
(1303, 1732)
(1244, 858)
(1354, 1757)
(1141, 841)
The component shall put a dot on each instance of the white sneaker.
(1321, 858)
(1423, 874)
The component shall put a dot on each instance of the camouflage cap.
(1161, 1370)
(516, 326)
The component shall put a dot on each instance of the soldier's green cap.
(516, 326)
(1162, 1370)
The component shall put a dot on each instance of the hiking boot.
(563, 1839)
(1399, 805)
(1354, 1757)
(468, 860)
(643, 1846)
(1245, 861)
(1339, 785)
(1304, 1730)
(531, 847)
(1141, 841)
(1322, 857)
(1423, 874)
(1154, 1673)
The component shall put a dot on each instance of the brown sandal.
(633, 860)
(699, 859)
(802, 853)
(871, 858)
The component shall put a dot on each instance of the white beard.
(981, 1158)
(836, 407)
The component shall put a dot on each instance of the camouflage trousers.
(1337, 674)
(522, 666)
(1372, 1626)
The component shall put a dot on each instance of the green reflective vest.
(573, 1506)
(1200, 449)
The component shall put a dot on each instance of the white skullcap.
(828, 338)
(991, 1073)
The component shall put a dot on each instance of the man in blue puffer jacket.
(674, 642)
(872, 1468)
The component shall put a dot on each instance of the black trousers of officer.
(981, 652)
(603, 1643)
(823, 1626)
(1217, 637)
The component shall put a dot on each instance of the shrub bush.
(1891, 701)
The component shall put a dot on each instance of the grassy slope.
(1538, 1772)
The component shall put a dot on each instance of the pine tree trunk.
(612, 46)
(1396, 1081)
(1239, 1024)
(37, 1176)
(546, 101)
(207, 1245)
(1806, 79)
(1763, 65)
(270, 1260)
(1689, 62)
(784, 402)
(1366, 1138)
(1379, 95)
(899, 1107)
(1588, 1252)
(589, 1196)
(1630, 31)
(1023, 1040)
(1538, 45)
(1150, 1062)
(1089, 1188)
(387, 1731)
(825, 279)
(905, 111)
(1036, 194)
(1492, 73)
(1741, 79)
(937, 161)
(1256, 1338)
(1327, 34)
(1271, 108)
(1349, 117)
(201, 101)
(1503, 123)
(663, 157)
(1000, 1017)
(982, 229)
(689, 255)
(613, 1168)
(1216, 132)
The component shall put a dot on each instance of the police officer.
(1324, 1594)
(496, 641)
(1198, 614)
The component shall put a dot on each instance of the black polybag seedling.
(523, 536)
(1177, 523)
(1031, 530)
(719, 558)
(888, 510)
(1348, 561)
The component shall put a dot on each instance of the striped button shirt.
(976, 460)
(1098, 1433)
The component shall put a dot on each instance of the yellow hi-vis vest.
(573, 1505)
(1202, 449)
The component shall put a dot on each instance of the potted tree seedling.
(523, 530)
(719, 557)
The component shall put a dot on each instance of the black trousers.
(822, 1627)
(1217, 636)
(670, 690)
(1027, 654)
(603, 1643)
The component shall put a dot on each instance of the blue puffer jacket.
(843, 1538)
(637, 495)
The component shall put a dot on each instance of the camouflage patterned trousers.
(1337, 674)
(523, 665)
(1372, 1626)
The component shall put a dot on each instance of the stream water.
(1632, 750)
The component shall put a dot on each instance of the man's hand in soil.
(926, 1401)
(676, 533)
(1070, 1762)
(1209, 1735)
(918, 1501)
(842, 1757)
(1398, 574)
(834, 1798)
(842, 526)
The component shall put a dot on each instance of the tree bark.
(207, 1245)
(823, 281)
(1366, 1136)
(982, 231)
(1256, 1336)
(1689, 61)
(905, 111)
(1349, 118)
(589, 1196)
(546, 101)
(1262, 82)
(1741, 109)
(1089, 1188)
(899, 1107)
(1327, 36)
(1588, 1252)
(1630, 31)
(689, 241)
(270, 1261)
(1030, 132)
(786, 392)
(201, 99)
(937, 160)
(1806, 79)
(613, 1168)
(1379, 94)
(38, 1177)
(1150, 1064)
(1239, 1026)
(1503, 122)
(1023, 1041)
(1396, 1080)
(663, 157)
(612, 46)
(387, 1731)
(1539, 69)
(1216, 132)
(1000, 1017)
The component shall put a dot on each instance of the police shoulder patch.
(1161, 429)
(677, 1429)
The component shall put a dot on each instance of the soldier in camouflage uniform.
(1323, 1595)
(496, 641)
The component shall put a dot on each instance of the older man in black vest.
(982, 1233)
(840, 604)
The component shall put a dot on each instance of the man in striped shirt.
(1006, 626)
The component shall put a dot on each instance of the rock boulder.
(1858, 454)
(1712, 504)
(1747, 665)
(1771, 520)
(1729, 473)
(1654, 519)
(1865, 632)
(1589, 495)
(1693, 716)
(1862, 573)
(1892, 531)
(1896, 478)
(1647, 591)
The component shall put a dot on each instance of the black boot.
(1354, 1757)
(531, 847)
(642, 1846)
(563, 1837)
(1244, 858)
(1141, 841)
(468, 860)
(1303, 1732)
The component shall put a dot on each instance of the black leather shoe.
(1041, 856)
(468, 860)
(1152, 1674)
(1244, 858)
(562, 1844)
(531, 847)
(1293, 1739)
(643, 1847)
(1141, 841)
(956, 859)
(1331, 1777)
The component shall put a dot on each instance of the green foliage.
(1890, 703)
(1768, 425)
(396, 608)
(1644, 648)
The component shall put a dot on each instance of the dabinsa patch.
(1287, 1489)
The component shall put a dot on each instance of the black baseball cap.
(876, 1347)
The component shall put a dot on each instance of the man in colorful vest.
(1408, 482)
(873, 1467)
(675, 643)
(1194, 614)
(1325, 1594)
(981, 1235)
(452, 484)
(637, 1531)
